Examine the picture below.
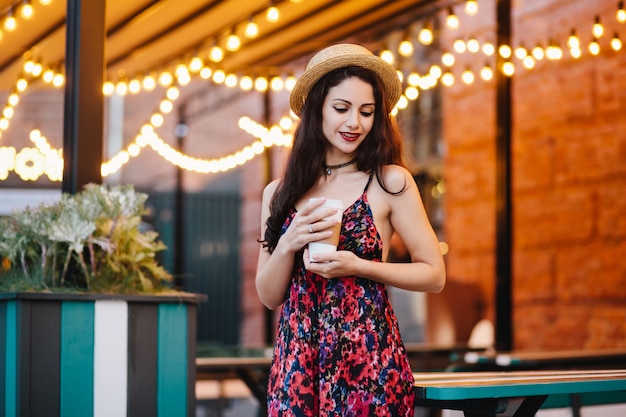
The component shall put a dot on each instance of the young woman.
(338, 349)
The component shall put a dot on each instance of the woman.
(338, 349)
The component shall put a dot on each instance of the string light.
(219, 77)
(620, 15)
(134, 86)
(447, 59)
(452, 20)
(206, 73)
(216, 54)
(521, 52)
(473, 46)
(233, 43)
(616, 42)
(273, 14)
(538, 52)
(447, 79)
(594, 47)
(426, 36)
(412, 93)
(471, 7)
(26, 10)
(573, 42)
(252, 29)
(260, 84)
(489, 49)
(459, 46)
(505, 51)
(467, 76)
(196, 64)
(405, 48)
(10, 22)
(529, 62)
(486, 73)
(246, 83)
(554, 51)
(508, 69)
(598, 29)
(413, 79)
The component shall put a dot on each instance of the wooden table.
(437, 357)
(516, 393)
(253, 371)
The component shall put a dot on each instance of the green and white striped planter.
(97, 355)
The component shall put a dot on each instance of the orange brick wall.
(569, 181)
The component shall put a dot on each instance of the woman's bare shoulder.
(396, 178)
(270, 188)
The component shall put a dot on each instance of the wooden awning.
(149, 35)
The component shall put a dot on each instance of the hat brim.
(385, 72)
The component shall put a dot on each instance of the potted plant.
(89, 320)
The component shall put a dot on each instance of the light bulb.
(233, 42)
(26, 10)
(252, 30)
(616, 42)
(272, 15)
(471, 7)
(10, 22)
(406, 48)
(425, 35)
(598, 29)
(621, 13)
(452, 20)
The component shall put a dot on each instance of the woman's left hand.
(332, 264)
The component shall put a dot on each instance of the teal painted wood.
(523, 389)
(586, 399)
(77, 347)
(172, 361)
(10, 365)
(3, 354)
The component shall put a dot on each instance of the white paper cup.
(329, 244)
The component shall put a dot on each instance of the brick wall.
(569, 181)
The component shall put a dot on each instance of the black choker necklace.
(329, 168)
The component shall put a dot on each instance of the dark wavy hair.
(383, 145)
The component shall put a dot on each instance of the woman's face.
(348, 114)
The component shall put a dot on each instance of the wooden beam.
(84, 102)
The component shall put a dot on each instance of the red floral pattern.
(338, 351)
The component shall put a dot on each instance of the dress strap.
(369, 180)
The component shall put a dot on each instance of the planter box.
(97, 355)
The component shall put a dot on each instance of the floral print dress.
(338, 350)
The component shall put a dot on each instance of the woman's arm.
(405, 214)
(274, 270)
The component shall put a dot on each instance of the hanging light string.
(21, 10)
(414, 81)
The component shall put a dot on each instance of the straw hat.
(340, 56)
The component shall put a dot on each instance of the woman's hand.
(308, 225)
(332, 264)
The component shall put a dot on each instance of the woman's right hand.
(309, 225)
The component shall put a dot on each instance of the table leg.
(258, 389)
(530, 406)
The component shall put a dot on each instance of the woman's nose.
(353, 120)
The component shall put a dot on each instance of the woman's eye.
(366, 113)
(340, 109)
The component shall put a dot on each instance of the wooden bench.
(516, 393)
